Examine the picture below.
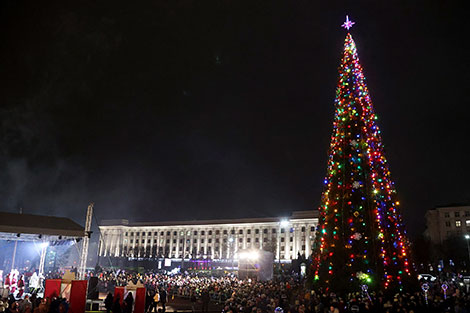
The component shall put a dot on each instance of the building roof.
(295, 215)
(14, 223)
(452, 205)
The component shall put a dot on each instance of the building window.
(467, 223)
(257, 231)
(265, 240)
(240, 239)
(195, 233)
(195, 241)
(265, 231)
(210, 232)
(248, 239)
(132, 234)
(149, 234)
(283, 230)
(203, 232)
(257, 239)
(132, 240)
(303, 229)
(283, 248)
(209, 240)
(168, 241)
(161, 233)
(155, 241)
(303, 247)
(446, 214)
(448, 224)
(225, 239)
(458, 223)
(240, 231)
(312, 228)
(282, 239)
(125, 234)
(457, 214)
(148, 240)
(217, 232)
(225, 232)
(291, 239)
(137, 234)
(168, 233)
(467, 213)
(233, 232)
(143, 241)
(248, 231)
(273, 230)
(202, 240)
(175, 233)
(217, 240)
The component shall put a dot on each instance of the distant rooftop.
(452, 205)
(294, 215)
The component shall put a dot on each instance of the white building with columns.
(210, 239)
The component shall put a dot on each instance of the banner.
(119, 291)
(139, 306)
(78, 296)
(52, 288)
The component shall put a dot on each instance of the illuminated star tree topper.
(348, 24)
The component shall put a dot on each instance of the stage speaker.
(93, 288)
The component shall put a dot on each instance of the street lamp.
(282, 223)
(467, 238)
(231, 250)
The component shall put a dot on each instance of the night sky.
(180, 109)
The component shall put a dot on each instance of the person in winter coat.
(129, 302)
(117, 304)
(108, 302)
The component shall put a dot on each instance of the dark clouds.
(203, 109)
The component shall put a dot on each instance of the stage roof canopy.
(14, 226)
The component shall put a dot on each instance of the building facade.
(447, 221)
(209, 239)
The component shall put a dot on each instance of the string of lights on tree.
(361, 238)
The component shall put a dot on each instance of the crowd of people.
(290, 295)
(228, 294)
(33, 304)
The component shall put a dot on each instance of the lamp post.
(282, 223)
(467, 239)
(232, 250)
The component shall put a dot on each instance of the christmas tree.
(361, 240)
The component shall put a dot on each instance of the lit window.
(458, 223)
(467, 223)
